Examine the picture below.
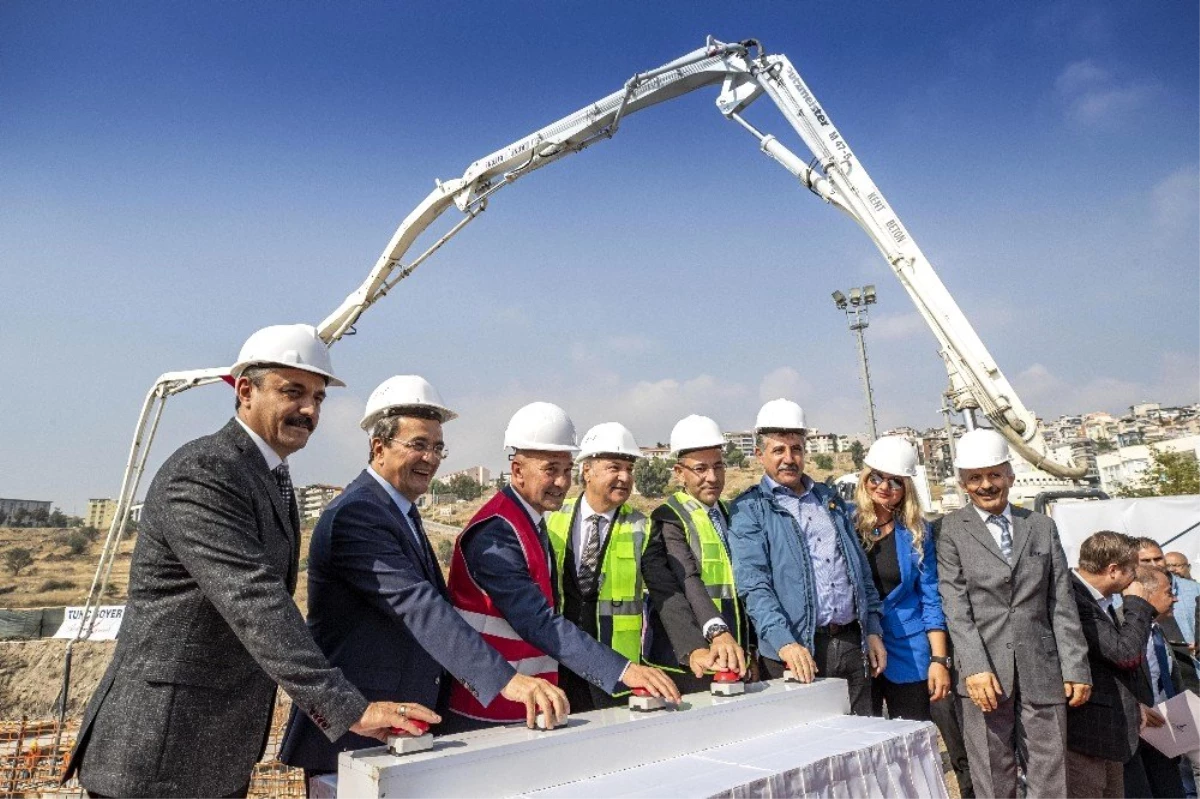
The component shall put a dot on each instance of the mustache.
(299, 421)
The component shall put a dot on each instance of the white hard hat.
(289, 346)
(541, 426)
(780, 414)
(894, 455)
(608, 438)
(695, 432)
(404, 391)
(981, 448)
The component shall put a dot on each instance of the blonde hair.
(908, 514)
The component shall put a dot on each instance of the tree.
(823, 462)
(651, 476)
(77, 542)
(464, 487)
(857, 454)
(734, 456)
(438, 487)
(445, 549)
(17, 558)
(58, 518)
(1169, 474)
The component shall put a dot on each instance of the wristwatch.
(947, 661)
(714, 631)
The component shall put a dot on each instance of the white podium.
(776, 739)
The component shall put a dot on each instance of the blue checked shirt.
(835, 594)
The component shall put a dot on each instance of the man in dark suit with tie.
(1102, 735)
(210, 627)
(696, 620)
(377, 602)
(1022, 657)
(1150, 773)
(505, 582)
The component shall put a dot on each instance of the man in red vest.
(502, 577)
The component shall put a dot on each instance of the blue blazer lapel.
(905, 556)
(405, 533)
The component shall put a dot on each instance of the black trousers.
(947, 715)
(838, 655)
(905, 700)
(1150, 773)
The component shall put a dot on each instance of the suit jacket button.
(437, 680)
(1008, 646)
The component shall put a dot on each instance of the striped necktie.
(718, 520)
(589, 560)
(1006, 544)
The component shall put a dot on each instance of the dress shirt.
(1105, 602)
(579, 530)
(831, 576)
(994, 528)
(534, 516)
(271, 456)
(402, 502)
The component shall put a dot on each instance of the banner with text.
(107, 623)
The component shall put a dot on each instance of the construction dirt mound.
(31, 676)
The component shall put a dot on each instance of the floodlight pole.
(856, 316)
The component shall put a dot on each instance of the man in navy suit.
(377, 601)
(502, 576)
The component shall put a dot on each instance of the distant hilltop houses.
(1116, 450)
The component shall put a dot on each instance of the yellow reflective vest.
(621, 597)
(716, 569)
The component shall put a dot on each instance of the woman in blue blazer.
(899, 546)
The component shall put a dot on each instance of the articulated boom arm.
(834, 174)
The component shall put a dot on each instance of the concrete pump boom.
(834, 174)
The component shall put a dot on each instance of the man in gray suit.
(1006, 592)
(210, 627)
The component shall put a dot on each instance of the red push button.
(420, 725)
(726, 676)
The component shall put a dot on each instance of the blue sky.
(174, 176)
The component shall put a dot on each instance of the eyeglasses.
(703, 469)
(874, 479)
(438, 451)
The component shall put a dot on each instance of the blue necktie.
(1005, 536)
(714, 514)
(1165, 684)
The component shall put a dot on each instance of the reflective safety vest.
(476, 607)
(621, 598)
(716, 569)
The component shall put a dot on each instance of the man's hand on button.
(381, 717)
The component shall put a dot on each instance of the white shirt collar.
(1096, 595)
(533, 514)
(271, 456)
(402, 502)
(984, 515)
(586, 510)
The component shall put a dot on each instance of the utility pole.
(855, 308)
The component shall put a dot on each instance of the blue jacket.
(912, 609)
(774, 572)
(379, 610)
(1185, 609)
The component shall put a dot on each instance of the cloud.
(1093, 94)
(1079, 76)
(782, 382)
(1052, 394)
(1176, 200)
(893, 326)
